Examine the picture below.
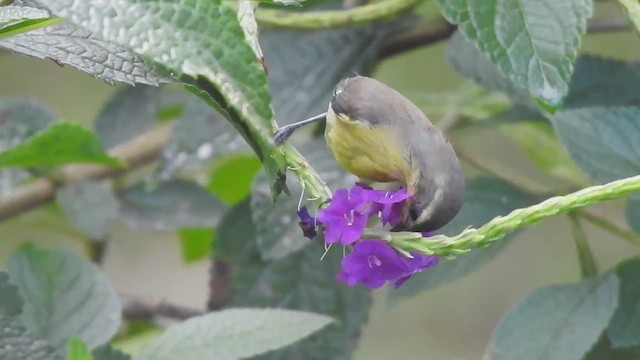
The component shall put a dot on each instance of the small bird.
(377, 134)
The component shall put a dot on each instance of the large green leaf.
(603, 350)
(300, 281)
(556, 322)
(58, 144)
(20, 119)
(129, 113)
(277, 224)
(10, 301)
(197, 38)
(65, 295)
(89, 206)
(170, 205)
(624, 329)
(233, 334)
(16, 342)
(533, 43)
(74, 46)
(485, 199)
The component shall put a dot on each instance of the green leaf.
(632, 212)
(557, 321)
(128, 114)
(206, 43)
(201, 134)
(74, 46)
(485, 199)
(232, 176)
(20, 118)
(300, 281)
(65, 295)
(107, 352)
(278, 232)
(10, 301)
(195, 243)
(532, 43)
(604, 351)
(234, 334)
(58, 144)
(89, 206)
(16, 342)
(78, 350)
(12, 14)
(170, 205)
(624, 328)
(602, 141)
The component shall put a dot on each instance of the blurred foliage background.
(451, 322)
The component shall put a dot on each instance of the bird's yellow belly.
(370, 154)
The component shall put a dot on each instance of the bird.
(377, 134)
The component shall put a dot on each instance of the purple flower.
(307, 223)
(371, 263)
(414, 265)
(346, 216)
(390, 204)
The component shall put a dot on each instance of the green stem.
(497, 228)
(27, 25)
(588, 266)
(332, 18)
(632, 9)
(309, 178)
(609, 226)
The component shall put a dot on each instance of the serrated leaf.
(195, 243)
(485, 198)
(206, 43)
(529, 42)
(299, 281)
(234, 334)
(170, 205)
(11, 14)
(65, 295)
(10, 301)
(74, 46)
(60, 143)
(602, 141)
(89, 206)
(624, 328)
(201, 134)
(129, 113)
(107, 352)
(20, 118)
(16, 342)
(632, 212)
(78, 350)
(278, 232)
(556, 322)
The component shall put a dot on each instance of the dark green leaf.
(58, 144)
(532, 43)
(233, 334)
(89, 206)
(485, 199)
(12, 14)
(107, 352)
(19, 119)
(603, 141)
(17, 343)
(65, 295)
(78, 350)
(195, 243)
(624, 329)
(232, 176)
(278, 231)
(10, 301)
(201, 134)
(604, 351)
(557, 321)
(632, 212)
(129, 113)
(206, 43)
(170, 205)
(299, 281)
(70, 45)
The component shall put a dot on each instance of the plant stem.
(27, 25)
(588, 266)
(610, 226)
(497, 228)
(333, 18)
